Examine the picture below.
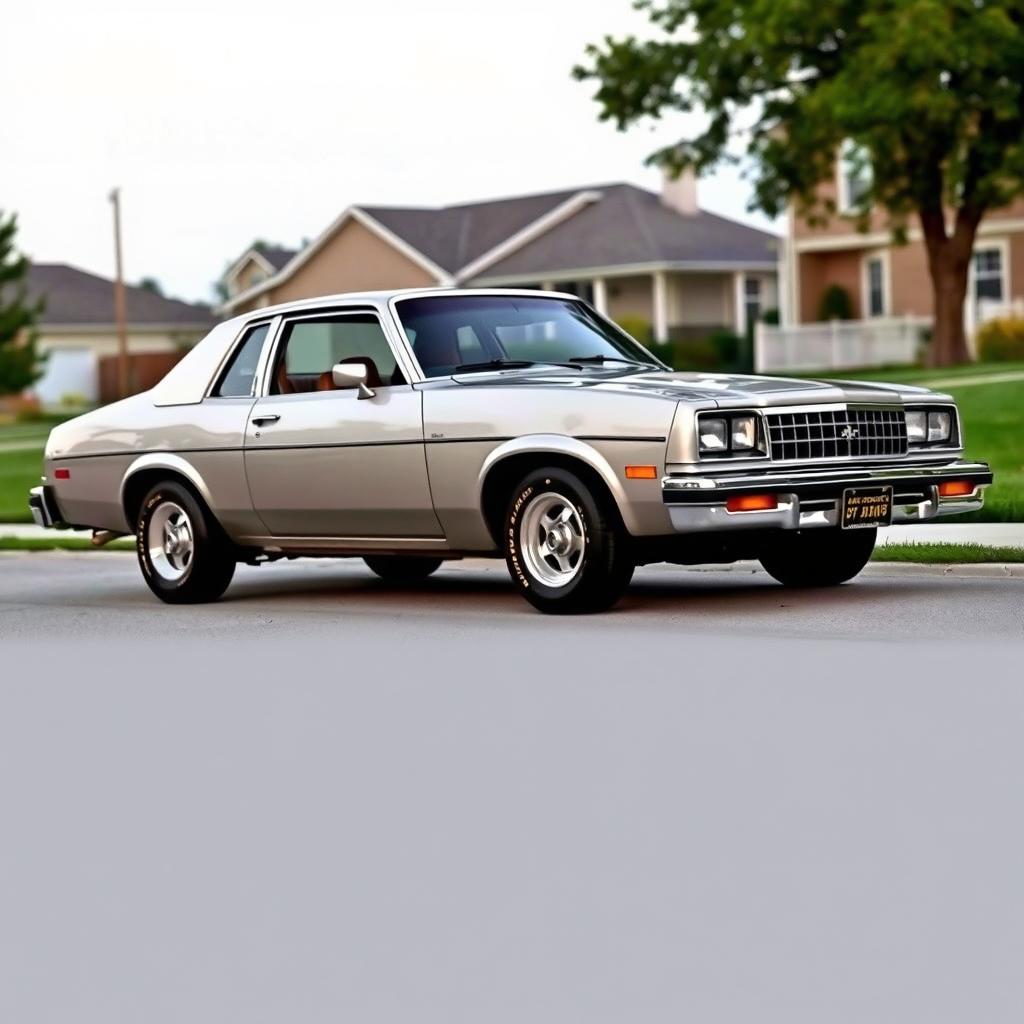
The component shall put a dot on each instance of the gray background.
(445, 807)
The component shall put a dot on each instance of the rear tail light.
(62, 474)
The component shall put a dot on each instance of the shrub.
(1001, 340)
(835, 304)
(636, 327)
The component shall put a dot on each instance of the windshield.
(470, 333)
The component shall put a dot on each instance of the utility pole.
(120, 309)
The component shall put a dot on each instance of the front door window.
(310, 348)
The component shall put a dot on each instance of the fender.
(167, 460)
(560, 444)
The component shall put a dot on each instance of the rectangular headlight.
(930, 425)
(917, 426)
(722, 435)
(938, 426)
(714, 435)
(744, 433)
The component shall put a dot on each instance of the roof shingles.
(626, 226)
(76, 297)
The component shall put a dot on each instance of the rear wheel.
(564, 546)
(818, 558)
(402, 569)
(184, 555)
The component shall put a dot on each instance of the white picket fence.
(838, 344)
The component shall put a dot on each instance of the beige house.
(77, 332)
(636, 255)
(885, 280)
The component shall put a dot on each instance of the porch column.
(660, 295)
(739, 287)
(547, 286)
(600, 296)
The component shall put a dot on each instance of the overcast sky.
(225, 121)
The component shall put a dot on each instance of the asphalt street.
(102, 594)
(327, 799)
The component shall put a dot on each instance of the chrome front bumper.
(43, 507)
(809, 498)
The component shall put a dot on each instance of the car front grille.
(837, 434)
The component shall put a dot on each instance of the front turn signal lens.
(752, 503)
(641, 472)
(955, 488)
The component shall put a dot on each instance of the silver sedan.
(408, 428)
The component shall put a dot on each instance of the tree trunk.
(949, 261)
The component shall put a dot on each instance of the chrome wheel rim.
(170, 542)
(552, 539)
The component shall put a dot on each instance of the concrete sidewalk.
(990, 534)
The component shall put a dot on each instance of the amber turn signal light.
(641, 472)
(955, 488)
(752, 503)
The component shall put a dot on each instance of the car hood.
(726, 390)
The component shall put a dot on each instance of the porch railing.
(838, 344)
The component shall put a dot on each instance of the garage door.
(69, 372)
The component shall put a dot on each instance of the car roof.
(383, 297)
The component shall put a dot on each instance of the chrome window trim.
(232, 350)
(321, 313)
(484, 293)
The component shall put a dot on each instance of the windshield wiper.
(578, 360)
(496, 364)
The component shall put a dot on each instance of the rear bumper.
(810, 498)
(43, 507)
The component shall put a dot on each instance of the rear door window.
(240, 375)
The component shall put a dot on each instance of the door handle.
(269, 418)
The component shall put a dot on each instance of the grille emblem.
(849, 433)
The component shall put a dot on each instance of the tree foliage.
(20, 365)
(930, 91)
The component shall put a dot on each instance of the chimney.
(680, 194)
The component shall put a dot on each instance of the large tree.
(931, 92)
(20, 364)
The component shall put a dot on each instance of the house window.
(854, 176)
(988, 274)
(752, 299)
(874, 274)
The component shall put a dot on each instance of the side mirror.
(352, 375)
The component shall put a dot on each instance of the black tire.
(187, 576)
(599, 564)
(818, 558)
(401, 568)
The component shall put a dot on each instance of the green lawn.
(19, 470)
(917, 374)
(993, 418)
(944, 554)
(57, 542)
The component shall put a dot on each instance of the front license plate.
(866, 506)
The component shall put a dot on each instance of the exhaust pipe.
(101, 537)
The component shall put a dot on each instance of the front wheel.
(818, 558)
(184, 555)
(564, 546)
